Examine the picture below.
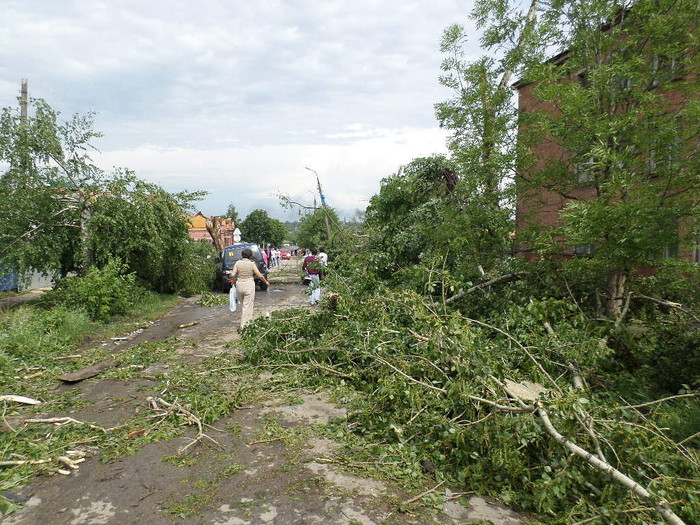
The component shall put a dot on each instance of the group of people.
(245, 270)
(272, 256)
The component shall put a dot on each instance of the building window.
(584, 249)
(670, 251)
(663, 155)
(621, 83)
(585, 171)
(666, 69)
(667, 231)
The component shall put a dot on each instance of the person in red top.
(311, 266)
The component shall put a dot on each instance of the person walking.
(312, 267)
(243, 274)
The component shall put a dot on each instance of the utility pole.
(323, 202)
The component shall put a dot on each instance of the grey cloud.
(179, 74)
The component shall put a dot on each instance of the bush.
(101, 292)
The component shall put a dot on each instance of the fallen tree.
(548, 436)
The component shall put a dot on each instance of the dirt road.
(246, 479)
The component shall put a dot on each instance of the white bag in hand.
(232, 299)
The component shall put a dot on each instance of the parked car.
(231, 254)
(285, 255)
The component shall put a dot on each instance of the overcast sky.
(237, 97)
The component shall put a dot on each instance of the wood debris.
(70, 459)
(67, 357)
(165, 409)
(60, 421)
(88, 372)
(20, 399)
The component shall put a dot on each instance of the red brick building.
(539, 201)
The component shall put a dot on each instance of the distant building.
(199, 232)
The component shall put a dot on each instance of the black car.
(231, 254)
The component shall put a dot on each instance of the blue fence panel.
(8, 281)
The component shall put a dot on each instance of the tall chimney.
(24, 100)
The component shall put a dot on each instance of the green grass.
(10, 294)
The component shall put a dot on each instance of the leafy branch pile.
(434, 381)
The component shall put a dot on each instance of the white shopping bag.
(232, 299)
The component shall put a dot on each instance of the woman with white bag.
(242, 274)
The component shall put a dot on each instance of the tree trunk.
(214, 229)
(616, 288)
(85, 205)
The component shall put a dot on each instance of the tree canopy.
(625, 118)
(231, 213)
(260, 228)
(321, 227)
(617, 108)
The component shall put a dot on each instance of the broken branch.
(20, 399)
(423, 494)
(669, 304)
(175, 408)
(264, 441)
(60, 421)
(660, 504)
(485, 284)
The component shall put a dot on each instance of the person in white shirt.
(277, 256)
(322, 256)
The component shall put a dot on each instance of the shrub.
(101, 292)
